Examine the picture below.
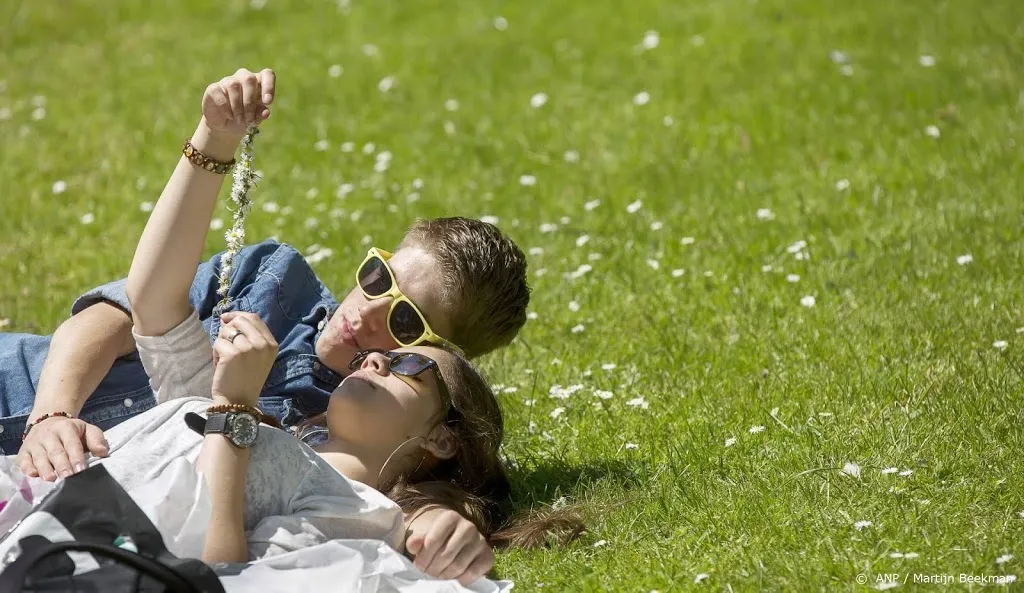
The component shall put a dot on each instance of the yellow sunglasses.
(406, 323)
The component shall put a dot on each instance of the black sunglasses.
(410, 364)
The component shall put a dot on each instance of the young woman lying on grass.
(462, 275)
(418, 424)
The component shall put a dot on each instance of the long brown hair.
(473, 481)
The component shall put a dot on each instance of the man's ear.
(441, 443)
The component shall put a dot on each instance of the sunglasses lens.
(410, 364)
(405, 323)
(374, 278)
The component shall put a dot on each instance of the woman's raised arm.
(172, 244)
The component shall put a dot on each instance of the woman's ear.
(441, 443)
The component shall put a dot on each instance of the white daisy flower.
(386, 84)
(642, 98)
(964, 259)
(634, 206)
(369, 148)
(911, 555)
(335, 71)
(449, 128)
(577, 329)
(846, 70)
(766, 268)
(582, 240)
(906, 472)
(765, 214)
(531, 315)
(932, 132)
(557, 412)
(889, 470)
(926, 61)
(808, 301)
(655, 264)
(603, 394)
(538, 100)
(88, 218)
(370, 50)
(574, 306)
(39, 113)
(999, 344)
(651, 40)
(861, 525)
(667, 121)
(697, 40)
(146, 206)
(632, 446)
(348, 146)
(5, 113)
(792, 278)
(730, 441)
(687, 241)
(756, 429)
(591, 205)
(500, 23)
(700, 577)
(451, 105)
(886, 585)
(527, 180)
(1004, 558)
(797, 246)
(571, 156)
(657, 225)
(678, 273)
(843, 185)
(851, 469)
(548, 227)
(638, 402)
(837, 56)
(216, 224)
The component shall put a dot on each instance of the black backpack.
(97, 512)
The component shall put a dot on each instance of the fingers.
(254, 320)
(72, 436)
(58, 456)
(414, 544)
(268, 82)
(251, 99)
(95, 441)
(460, 539)
(460, 563)
(233, 87)
(25, 463)
(480, 566)
(42, 463)
(434, 541)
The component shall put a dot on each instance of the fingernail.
(80, 468)
(267, 98)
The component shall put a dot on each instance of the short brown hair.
(484, 276)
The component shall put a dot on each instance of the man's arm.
(82, 351)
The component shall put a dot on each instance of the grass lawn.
(802, 223)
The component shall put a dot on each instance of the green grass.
(894, 366)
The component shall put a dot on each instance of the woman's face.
(362, 324)
(375, 407)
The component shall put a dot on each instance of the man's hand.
(445, 545)
(56, 447)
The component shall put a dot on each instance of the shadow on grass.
(542, 481)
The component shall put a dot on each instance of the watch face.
(244, 428)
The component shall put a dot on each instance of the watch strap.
(215, 424)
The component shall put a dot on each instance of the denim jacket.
(270, 279)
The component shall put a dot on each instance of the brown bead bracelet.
(201, 160)
(44, 417)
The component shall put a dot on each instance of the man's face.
(361, 323)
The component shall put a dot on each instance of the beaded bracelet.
(44, 417)
(201, 160)
(264, 418)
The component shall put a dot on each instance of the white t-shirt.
(293, 498)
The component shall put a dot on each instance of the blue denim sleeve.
(204, 287)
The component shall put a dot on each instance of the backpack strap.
(13, 577)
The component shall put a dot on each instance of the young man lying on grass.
(452, 281)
